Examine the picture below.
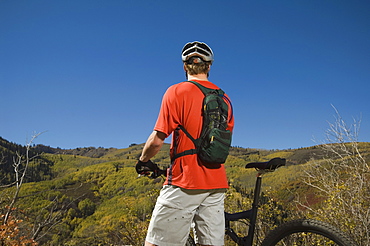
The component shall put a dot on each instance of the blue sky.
(92, 72)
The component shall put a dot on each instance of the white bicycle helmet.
(197, 49)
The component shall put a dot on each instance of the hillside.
(92, 196)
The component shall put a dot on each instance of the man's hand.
(144, 169)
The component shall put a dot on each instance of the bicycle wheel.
(307, 232)
(190, 241)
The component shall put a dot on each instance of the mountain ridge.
(96, 198)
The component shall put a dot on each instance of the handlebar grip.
(144, 168)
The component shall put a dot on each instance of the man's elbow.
(158, 139)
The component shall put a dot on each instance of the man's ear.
(186, 72)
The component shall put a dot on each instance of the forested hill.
(41, 168)
(9, 149)
(92, 196)
(43, 160)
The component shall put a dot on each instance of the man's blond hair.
(199, 68)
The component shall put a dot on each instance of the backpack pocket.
(216, 149)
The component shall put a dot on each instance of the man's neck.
(201, 76)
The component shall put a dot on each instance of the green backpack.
(214, 142)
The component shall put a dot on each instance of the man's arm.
(152, 146)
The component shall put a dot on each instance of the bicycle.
(295, 232)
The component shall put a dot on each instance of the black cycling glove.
(144, 168)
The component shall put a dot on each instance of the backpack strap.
(204, 90)
(207, 90)
(189, 151)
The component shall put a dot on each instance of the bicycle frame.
(250, 214)
(286, 231)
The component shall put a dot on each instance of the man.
(192, 192)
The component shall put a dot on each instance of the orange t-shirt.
(182, 105)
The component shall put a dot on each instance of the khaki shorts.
(178, 209)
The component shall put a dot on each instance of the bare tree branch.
(343, 178)
(19, 175)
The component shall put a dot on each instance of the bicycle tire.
(307, 232)
(190, 241)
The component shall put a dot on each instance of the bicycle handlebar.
(152, 170)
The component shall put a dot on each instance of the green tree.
(117, 165)
(87, 207)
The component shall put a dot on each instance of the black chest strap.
(186, 152)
